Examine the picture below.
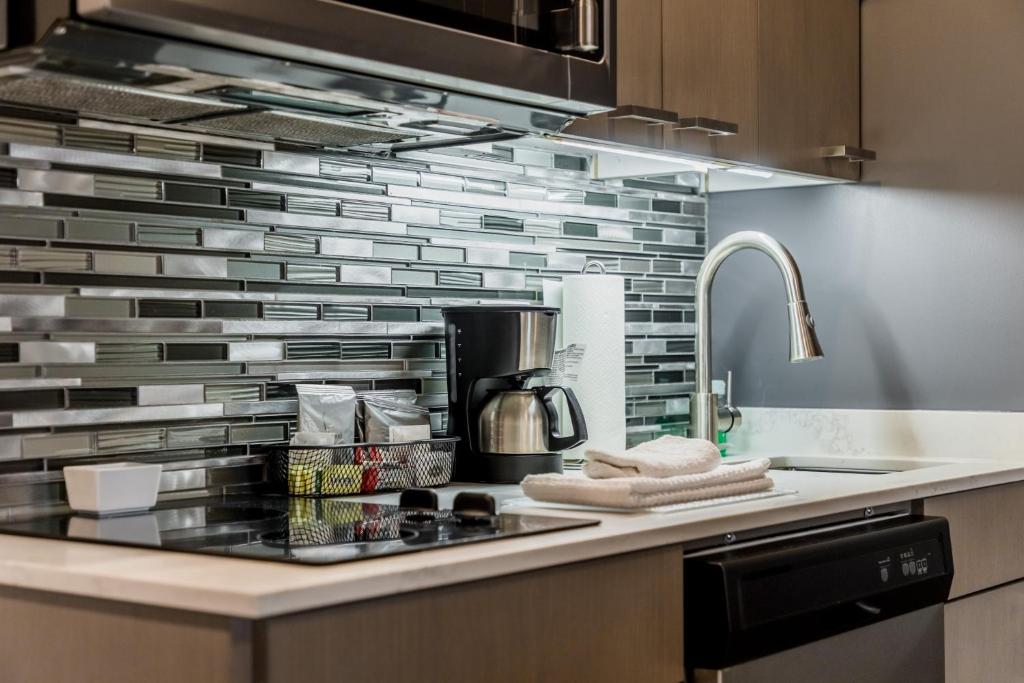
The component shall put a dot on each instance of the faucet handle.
(729, 416)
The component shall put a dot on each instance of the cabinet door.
(710, 71)
(808, 84)
(984, 525)
(983, 636)
(613, 620)
(638, 76)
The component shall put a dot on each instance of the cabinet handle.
(702, 124)
(854, 155)
(652, 116)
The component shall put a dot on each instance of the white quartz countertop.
(255, 589)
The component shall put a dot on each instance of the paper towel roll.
(593, 313)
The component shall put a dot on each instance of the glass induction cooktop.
(299, 530)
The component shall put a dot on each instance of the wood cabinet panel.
(49, 637)
(808, 84)
(984, 633)
(709, 52)
(614, 619)
(786, 72)
(986, 527)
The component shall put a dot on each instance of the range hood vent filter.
(275, 125)
(106, 99)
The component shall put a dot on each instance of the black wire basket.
(325, 471)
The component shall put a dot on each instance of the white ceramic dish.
(115, 488)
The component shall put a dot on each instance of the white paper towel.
(593, 313)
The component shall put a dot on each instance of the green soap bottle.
(722, 445)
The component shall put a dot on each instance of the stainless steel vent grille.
(106, 99)
(275, 125)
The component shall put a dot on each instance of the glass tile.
(601, 199)
(460, 279)
(452, 255)
(343, 312)
(197, 437)
(426, 278)
(396, 313)
(129, 353)
(193, 194)
(157, 308)
(122, 440)
(231, 309)
(312, 349)
(251, 199)
(527, 260)
(572, 229)
(259, 270)
(502, 223)
(258, 432)
(98, 231)
(407, 252)
(27, 226)
(308, 273)
(232, 393)
(358, 351)
(290, 311)
(196, 352)
(101, 398)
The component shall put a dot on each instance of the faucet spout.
(803, 342)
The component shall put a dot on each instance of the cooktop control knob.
(423, 500)
(474, 508)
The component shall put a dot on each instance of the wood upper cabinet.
(709, 52)
(808, 84)
(786, 73)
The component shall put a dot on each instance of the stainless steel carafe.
(525, 422)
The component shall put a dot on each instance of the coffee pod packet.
(386, 420)
(327, 409)
(395, 395)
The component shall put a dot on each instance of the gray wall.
(915, 277)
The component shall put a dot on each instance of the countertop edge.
(190, 582)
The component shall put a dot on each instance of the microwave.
(555, 54)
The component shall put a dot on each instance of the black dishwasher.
(861, 602)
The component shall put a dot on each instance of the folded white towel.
(644, 492)
(668, 456)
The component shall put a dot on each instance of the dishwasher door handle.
(870, 609)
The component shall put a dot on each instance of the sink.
(847, 465)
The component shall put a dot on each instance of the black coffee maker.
(507, 429)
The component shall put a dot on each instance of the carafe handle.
(556, 441)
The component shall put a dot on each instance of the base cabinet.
(616, 619)
(984, 636)
(608, 620)
(985, 527)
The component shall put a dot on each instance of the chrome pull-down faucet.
(803, 342)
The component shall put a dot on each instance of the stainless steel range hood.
(85, 69)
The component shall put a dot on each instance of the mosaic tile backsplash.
(161, 293)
